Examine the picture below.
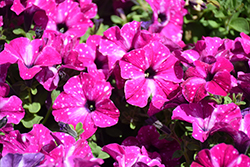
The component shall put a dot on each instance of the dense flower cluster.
(197, 91)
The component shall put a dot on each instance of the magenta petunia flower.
(86, 99)
(152, 70)
(116, 42)
(30, 56)
(243, 83)
(12, 108)
(168, 18)
(130, 156)
(207, 119)
(31, 142)
(19, 6)
(68, 19)
(68, 152)
(4, 87)
(214, 78)
(221, 155)
(149, 138)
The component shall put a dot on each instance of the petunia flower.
(4, 87)
(12, 108)
(152, 70)
(221, 155)
(31, 142)
(68, 152)
(207, 119)
(149, 138)
(116, 42)
(86, 99)
(168, 19)
(68, 19)
(130, 156)
(14, 160)
(30, 56)
(202, 78)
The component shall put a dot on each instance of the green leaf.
(116, 19)
(189, 128)
(33, 91)
(193, 146)
(240, 24)
(177, 154)
(227, 100)
(54, 95)
(71, 126)
(1, 133)
(213, 24)
(19, 31)
(30, 120)
(33, 108)
(97, 151)
(79, 126)
(132, 125)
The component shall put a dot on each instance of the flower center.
(62, 27)
(209, 77)
(90, 105)
(150, 73)
(162, 18)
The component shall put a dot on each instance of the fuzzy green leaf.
(240, 24)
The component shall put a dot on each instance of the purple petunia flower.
(207, 119)
(152, 70)
(130, 156)
(221, 155)
(86, 99)
(14, 160)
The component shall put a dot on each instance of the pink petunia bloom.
(214, 78)
(130, 156)
(68, 152)
(34, 11)
(168, 19)
(30, 56)
(68, 19)
(221, 155)
(31, 142)
(86, 99)
(116, 42)
(152, 70)
(149, 138)
(207, 119)
(4, 87)
(19, 6)
(12, 108)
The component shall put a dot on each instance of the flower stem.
(47, 115)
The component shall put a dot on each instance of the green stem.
(30, 98)
(47, 115)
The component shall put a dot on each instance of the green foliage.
(221, 18)
(33, 107)
(30, 119)
(141, 11)
(97, 151)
